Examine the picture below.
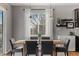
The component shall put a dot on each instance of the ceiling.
(41, 4)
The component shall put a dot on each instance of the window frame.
(38, 24)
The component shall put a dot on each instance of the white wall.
(7, 27)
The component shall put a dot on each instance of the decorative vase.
(39, 44)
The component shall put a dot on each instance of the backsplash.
(63, 31)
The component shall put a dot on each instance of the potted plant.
(39, 37)
(39, 34)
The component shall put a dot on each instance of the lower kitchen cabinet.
(77, 43)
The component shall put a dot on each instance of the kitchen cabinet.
(77, 39)
(77, 43)
(76, 16)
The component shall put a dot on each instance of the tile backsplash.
(64, 31)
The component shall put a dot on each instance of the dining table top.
(56, 41)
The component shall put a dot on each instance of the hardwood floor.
(73, 53)
(70, 54)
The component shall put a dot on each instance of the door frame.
(4, 36)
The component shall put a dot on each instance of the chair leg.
(22, 51)
(56, 52)
(67, 53)
(36, 52)
(26, 54)
(11, 53)
(42, 53)
(52, 53)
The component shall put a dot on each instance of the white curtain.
(27, 23)
(49, 23)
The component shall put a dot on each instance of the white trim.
(4, 28)
(4, 32)
(27, 21)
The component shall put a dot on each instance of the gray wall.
(61, 11)
(18, 22)
(18, 25)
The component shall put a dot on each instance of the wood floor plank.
(70, 54)
(73, 53)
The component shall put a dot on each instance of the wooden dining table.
(23, 42)
(58, 42)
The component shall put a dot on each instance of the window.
(37, 21)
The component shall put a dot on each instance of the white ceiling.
(27, 4)
(41, 4)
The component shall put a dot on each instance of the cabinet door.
(72, 43)
(76, 16)
(77, 43)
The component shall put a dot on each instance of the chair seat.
(20, 47)
(17, 49)
(61, 49)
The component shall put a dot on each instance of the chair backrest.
(31, 47)
(47, 47)
(33, 38)
(47, 38)
(11, 44)
(67, 43)
(13, 40)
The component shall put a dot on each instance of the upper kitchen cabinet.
(76, 16)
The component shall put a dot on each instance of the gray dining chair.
(15, 49)
(47, 47)
(31, 47)
(64, 48)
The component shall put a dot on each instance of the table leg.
(54, 50)
(24, 50)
